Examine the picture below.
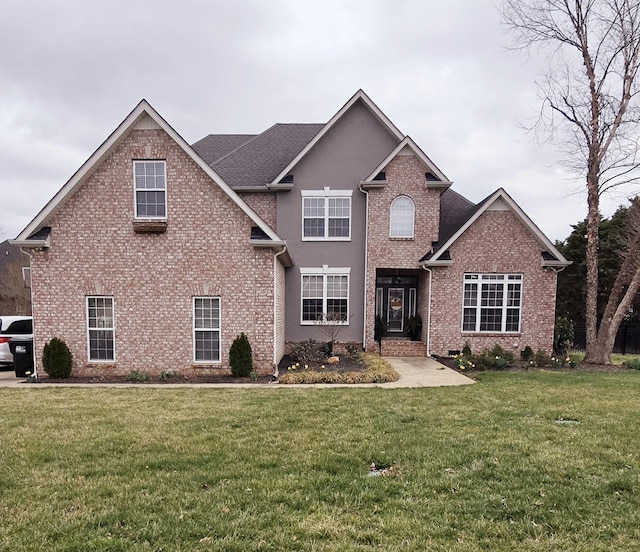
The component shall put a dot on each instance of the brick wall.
(264, 204)
(405, 176)
(497, 242)
(152, 277)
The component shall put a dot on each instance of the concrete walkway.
(414, 372)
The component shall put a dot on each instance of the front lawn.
(519, 461)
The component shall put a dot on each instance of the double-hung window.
(150, 189)
(326, 214)
(101, 329)
(206, 329)
(325, 295)
(492, 303)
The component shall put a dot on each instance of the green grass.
(578, 356)
(480, 467)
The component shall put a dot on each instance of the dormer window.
(402, 216)
(150, 189)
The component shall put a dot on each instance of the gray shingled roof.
(455, 210)
(215, 146)
(258, 160)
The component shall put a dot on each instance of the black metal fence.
(627, 339)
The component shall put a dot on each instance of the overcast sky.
(71, 70)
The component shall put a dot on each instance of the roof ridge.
(255, 137)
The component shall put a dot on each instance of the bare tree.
(590, 105)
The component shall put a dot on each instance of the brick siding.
(497, 242)
(152, 277)
(405, 176)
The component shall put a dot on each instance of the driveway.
(414, 372)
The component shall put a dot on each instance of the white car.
(13, 326)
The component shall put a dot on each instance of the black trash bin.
(22, 351)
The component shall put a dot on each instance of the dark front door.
(396, 301)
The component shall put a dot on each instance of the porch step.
(402, 347)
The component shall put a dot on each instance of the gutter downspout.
(275, 306)
(429, 311)
(366, 265)
(24, 250)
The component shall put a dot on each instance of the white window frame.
(479, 281)
(399, 215)
(101, 325)
(325, 196)
(209, 329)
(162, 189)
(323, 272)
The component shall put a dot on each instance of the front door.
(395, 310)
(396, 301)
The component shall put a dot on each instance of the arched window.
(402, 217)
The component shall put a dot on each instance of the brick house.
(156, 254)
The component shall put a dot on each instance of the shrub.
(541, 358)
(464, 362)
(563, 333)
(241, 357)
(527, 354)
(57, 359)
(466, 350)
(414, 327)
(308, 352)
(496, 358)
(633, 363)
(135, 375)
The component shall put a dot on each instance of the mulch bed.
(346, 364)
(522, 366)
(214, 378)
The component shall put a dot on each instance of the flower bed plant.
(370, 369)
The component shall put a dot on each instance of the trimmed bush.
(57, 359)
(241, 357)
(527, 354)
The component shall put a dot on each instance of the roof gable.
(142, 117)
(499, 200)
(407, 145)
(359, 96)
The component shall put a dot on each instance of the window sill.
(150, 226)
(326, 239)
(401, 238)
(489, 334)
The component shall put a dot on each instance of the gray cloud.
(439, 70)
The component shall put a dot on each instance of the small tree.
(57, 359)
(331, 325)
(241, 357)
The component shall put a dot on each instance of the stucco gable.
(143, 117)
(359, 97)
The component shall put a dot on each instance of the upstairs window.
(150, 189)
(326, 215)
(492, 303)
(402, 217)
